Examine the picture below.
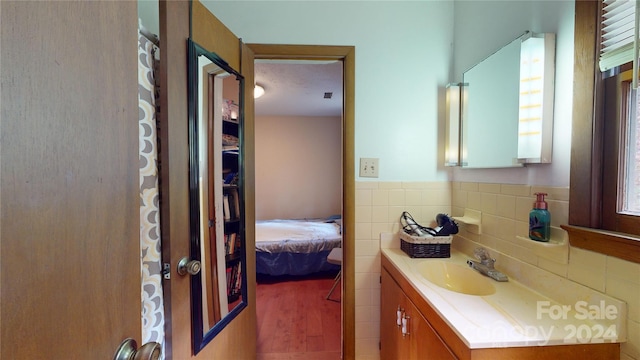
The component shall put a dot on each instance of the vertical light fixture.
(452, 129)
(535, 118)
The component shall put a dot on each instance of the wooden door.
(69, 203)
(238, 339)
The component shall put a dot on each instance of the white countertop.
(516, 315)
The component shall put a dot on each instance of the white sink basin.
(455, 277)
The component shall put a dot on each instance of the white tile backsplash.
(367, 264)
(615, 277)
(363, 197)
(413, 197)
(363, 213)
(586, 275)
(379, 214)
(363, 231)
(627, 291)
(367, 247)
(632, 347)
(436, 197)
(554, 267)
(623, 270)
(397, 197)
(380, 197)
(507, 206)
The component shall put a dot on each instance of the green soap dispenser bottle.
(539, 220)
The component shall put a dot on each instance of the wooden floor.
(295, 321)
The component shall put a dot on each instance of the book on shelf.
(236, 204)
(234, 279)
(225, 207)
(230, 243)
(238, 279)
(231, 204)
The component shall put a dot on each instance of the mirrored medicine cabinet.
(504, 114)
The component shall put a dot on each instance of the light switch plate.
(369, 167)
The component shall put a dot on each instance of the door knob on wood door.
(186, 266)
(128, 351)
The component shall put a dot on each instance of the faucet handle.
(481, 254)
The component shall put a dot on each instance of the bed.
(296, 247)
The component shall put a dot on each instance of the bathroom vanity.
(479, 318)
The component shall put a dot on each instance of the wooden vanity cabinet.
(420, 341)
(434, 339)
(392, 344)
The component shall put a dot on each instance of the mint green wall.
(403, 56)
(406, 52)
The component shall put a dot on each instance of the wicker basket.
(426, 246)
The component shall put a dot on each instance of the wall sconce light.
(258, 91)
(535, 118)
(454, 103)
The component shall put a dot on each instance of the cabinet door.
(421, 342)
(392, 344)
(425, 342)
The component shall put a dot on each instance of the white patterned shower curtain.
(150, 244)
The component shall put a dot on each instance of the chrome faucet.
(485, 265)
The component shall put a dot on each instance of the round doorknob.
(128, 351)
(186, 266)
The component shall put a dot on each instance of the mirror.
(216, 207)
(490, 111)
(507, 110)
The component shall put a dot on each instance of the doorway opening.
(298, 192)
(343, 57)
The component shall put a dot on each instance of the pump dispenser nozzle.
(540, 203)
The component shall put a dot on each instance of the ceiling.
(297, 88)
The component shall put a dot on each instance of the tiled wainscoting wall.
(378, 209)
(505, 213)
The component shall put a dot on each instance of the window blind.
(618, 34)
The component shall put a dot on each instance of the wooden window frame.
(587, 201)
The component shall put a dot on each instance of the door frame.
(346, 54)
